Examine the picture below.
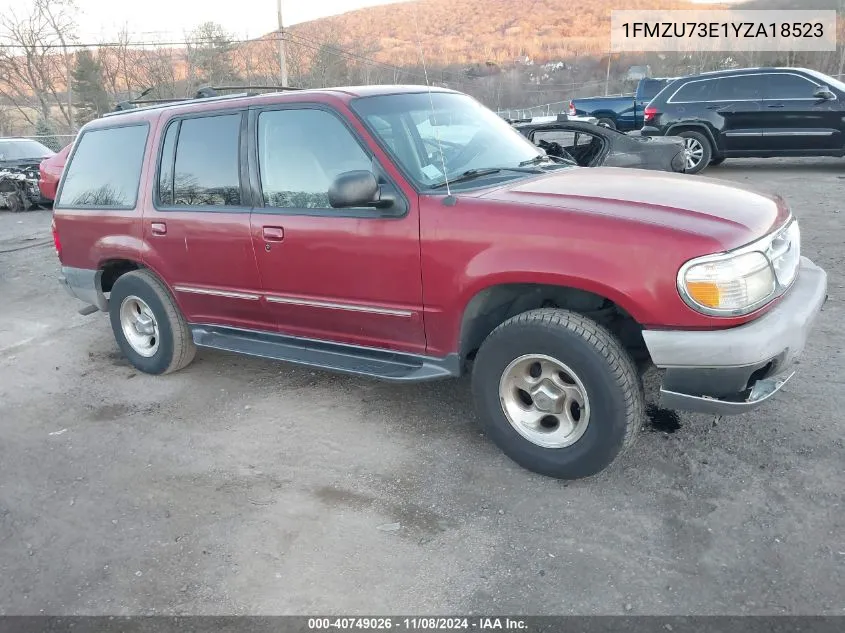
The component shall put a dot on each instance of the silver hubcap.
(139, 326)
(693, 153)
(545, 401)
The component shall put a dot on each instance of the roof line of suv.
(340, 90)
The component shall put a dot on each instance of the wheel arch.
(496, 303)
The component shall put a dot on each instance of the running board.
(348, 359)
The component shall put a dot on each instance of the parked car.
(19, 160)
(590, 145)
(752, 112)
(321, 227)
(50, 171)
(624, 112)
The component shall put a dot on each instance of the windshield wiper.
(557, 160)
(486, 171)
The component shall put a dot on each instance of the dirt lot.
(244, 486)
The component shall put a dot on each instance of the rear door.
(795, 120)
(735, 104)
(197, 225)
(343, 275)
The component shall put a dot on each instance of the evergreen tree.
(47, 135)
(90, 97)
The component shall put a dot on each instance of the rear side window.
(692, 92)
(205, 168)
(105, 170)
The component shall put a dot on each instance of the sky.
(156, 19)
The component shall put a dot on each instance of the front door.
(795, 120)
(196, 227)
(343, 275)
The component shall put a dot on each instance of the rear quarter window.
(105, 169)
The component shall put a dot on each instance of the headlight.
(739, 282)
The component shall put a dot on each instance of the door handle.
(714, 107)
(273, 233)
(775, 105)
(158, 228)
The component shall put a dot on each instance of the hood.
(731, 214)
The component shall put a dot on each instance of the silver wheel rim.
(139, 326)
(693, 152)
(544, 401)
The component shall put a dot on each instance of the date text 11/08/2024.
(738, 30)
(417, 623)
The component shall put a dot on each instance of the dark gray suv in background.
(752, 112)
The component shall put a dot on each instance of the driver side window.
(300, 153)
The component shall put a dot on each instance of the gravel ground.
(240, 486)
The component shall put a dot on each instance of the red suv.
(410, 235)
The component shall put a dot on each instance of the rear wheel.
(148, 326)
(606, 123)
(697, 150)
(557, 393)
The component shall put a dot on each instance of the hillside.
(472, 31)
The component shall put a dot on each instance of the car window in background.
(105, 169)
(207, 169)
(788, 86)
(565, 138)
(740, 88)
(649, 88)
(301, 152)
(23, 149)
(693, 91)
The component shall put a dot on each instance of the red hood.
(728, 213)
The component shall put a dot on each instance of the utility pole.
(607, 78)
(283, 62)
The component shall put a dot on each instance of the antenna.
(431, 102)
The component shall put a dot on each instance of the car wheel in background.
(148, 326)
(606, 123)
(698, 151)
(557, 393)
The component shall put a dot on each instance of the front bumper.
(728, 372)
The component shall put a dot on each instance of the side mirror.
(356, 189)
(823, 92)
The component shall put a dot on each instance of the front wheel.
(697, 151)
(557, 393)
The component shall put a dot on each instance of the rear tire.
(610, 123)
(552, 352)
(148, 326)
(699, 151)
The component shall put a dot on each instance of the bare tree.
(35, 60)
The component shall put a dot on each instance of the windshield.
(22, 149)
(414, 128)
(827, 80)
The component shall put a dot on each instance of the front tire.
(147, 324)
(557, 393)
(698, 151)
